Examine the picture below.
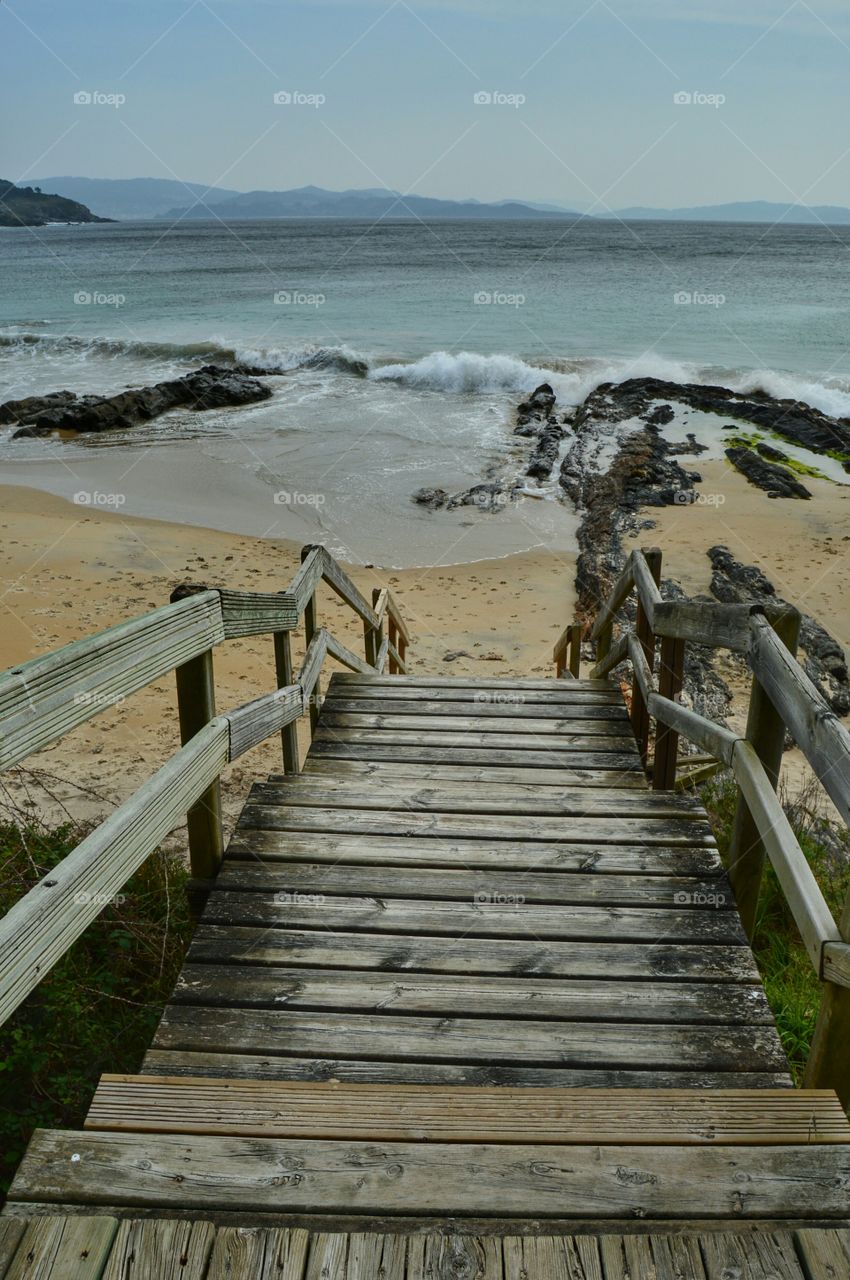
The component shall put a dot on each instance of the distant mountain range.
(31, 207)
(164, 198)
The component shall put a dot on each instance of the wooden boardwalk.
(465, 972)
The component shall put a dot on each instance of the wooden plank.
(256, 721)
(284, 675)
(249, 1066)
(41, 926)
(303, 586)
(446, 1039)
(548, 887)
(554, 693)
(356, 1255)
(825, 1254)
(536, 742)
(613, 656)
(721, 626)
(416, 1113)
(551, 1258)
(482, 706)
(58, 1247)
(168, 1249)
(338, 650)
(544, 685)
(282, 1175)
(454, 1257)
(43, 699)
(403, 953)
(253, 986)
(384, 747)
(407, 822)
(249, 843)
(802, 892)
(619, 595)
(396, 771)
(259, 1253)
(815, 728)
(588, 721)
(429, 796)
(755, 1256)
(677, 1258)
(713, 738)
(473, 919)
(11, 1230)
(256, 613)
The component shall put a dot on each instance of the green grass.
(97, 1009)
(793, 990)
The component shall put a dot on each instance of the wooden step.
(457, 749)
(399, 771)
(217, 1172)
(415, 1113)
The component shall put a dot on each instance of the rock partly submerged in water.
(211, 387)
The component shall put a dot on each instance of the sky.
(595, 105)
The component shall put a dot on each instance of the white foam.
(467, 371)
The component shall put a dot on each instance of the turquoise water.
(449, 322)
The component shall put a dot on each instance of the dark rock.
(489, 497)
(433, 499)
(776, 481)
(540, 403)
(211, 387)
(772, 455)
(660, 415)
(823, 657)
(546, 452)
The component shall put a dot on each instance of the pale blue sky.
(599, 123)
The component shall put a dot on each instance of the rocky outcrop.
(490, 497)
(797, 422)
(536, 419)
(776, 481)
(823, 657)
(212, 387)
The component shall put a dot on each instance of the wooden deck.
(466, 971)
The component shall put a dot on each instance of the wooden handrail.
(782, 697)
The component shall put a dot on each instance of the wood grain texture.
(51, 1248)
(394, 1113)
(283, 1175)
(167, 1250)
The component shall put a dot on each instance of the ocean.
(399, 352)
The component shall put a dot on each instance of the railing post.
(576, 631)
(392, 631)
(196, 707)
(311, 626)
(283, 670)
(373, 637)
(670, 679)
(766, 733)
(828, 1066)
(640, 714)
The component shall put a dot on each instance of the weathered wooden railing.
(782, 697)
(43, 699)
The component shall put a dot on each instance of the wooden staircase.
(512, 995)
(468, 999)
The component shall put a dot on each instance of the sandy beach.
(70, 572)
